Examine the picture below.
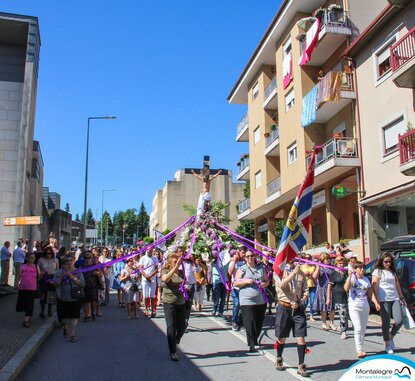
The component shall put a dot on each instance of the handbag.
(408, 321)
(51, 297)
(77, 292)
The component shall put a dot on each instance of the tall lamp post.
(102, 214)
(86, 169)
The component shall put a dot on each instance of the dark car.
(405, 267)
(402, 244)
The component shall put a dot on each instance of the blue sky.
(164, 68)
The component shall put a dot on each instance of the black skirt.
(26, 301)
(70, 310)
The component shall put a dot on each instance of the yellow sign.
(27, 220)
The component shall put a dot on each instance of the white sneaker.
(343, 336)
(389, 350)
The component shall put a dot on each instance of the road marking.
(289, 369)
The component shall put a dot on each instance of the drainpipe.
(361, 178)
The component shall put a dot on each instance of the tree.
(67, 209)
(90, 220)
(246, 229)
(143, 220)
(107, 226)
(279, 228)
(77, 219)
(118, 221)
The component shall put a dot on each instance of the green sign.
(339, 191)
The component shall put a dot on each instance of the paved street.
(114, 347)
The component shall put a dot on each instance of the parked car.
(405, 268)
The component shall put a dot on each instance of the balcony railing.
(274, 186)
(244, 205)
(406, 144)
(336, 148)
(329, 19)
(403, 50)
(244, 164)
(273, 135)
(270, 88)
(242, 124)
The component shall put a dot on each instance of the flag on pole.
(159, 236)
(295, 233)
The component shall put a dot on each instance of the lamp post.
(102, 209)
(86, 169)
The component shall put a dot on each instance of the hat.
(350, 254)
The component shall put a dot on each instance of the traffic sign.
(25, 220)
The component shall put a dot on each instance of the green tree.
(106, 222)
(67, 209)
(143, 220)
(118, 221)
(246, 228)
(90, 220)
(247, 190)
(130, 224)
(279, 228)
(77, 219)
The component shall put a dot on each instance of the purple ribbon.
(183, 290)
(218, 265)
(244, 238)
(262, 291)
(322, 264)
(192, 242)
(236, 238)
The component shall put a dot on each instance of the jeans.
(219, 297)
(176, 323)
(359, 315)
(312, 292)
(209, 288)
(387, 310)
(236, 309)
(253, 316)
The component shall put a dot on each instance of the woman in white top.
(388, 293)
(358, 287)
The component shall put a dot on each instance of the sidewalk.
(17, 343)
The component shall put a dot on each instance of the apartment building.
(167, 208)
(20, 162)
(300, 92)
(383, 57)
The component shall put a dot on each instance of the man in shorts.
(292, 294)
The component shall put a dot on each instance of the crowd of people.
(332, 282)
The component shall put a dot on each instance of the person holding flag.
(291, 286)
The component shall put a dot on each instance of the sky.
(163, 68)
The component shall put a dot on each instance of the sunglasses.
(387, 261)
(88, 257)
(249, 256)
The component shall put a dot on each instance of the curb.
(18, 362)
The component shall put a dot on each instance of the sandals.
(333, 327)
(74, 339)
(27, 324)
(361, 355)
(87, 319)
(174, 357)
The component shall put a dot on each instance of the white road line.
(289, 369)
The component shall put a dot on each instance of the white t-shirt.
(387, 291)
(358, 291)
(150, 263)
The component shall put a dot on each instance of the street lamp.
(86, 169)
(102, 205)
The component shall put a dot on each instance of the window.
(255, 90)
(258, 179)
(390, 135)
(287, 47)
(382, 59)
(257, 135)
(292, 153)
(289, 100)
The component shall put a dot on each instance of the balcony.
(336, 155)
(243, 172)
(272, 142)
(403, 61)
(333, 32)
(270, 95)
(242, 133)
(244, 208)
(273, 190)
(334, 92)
(406, 145)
